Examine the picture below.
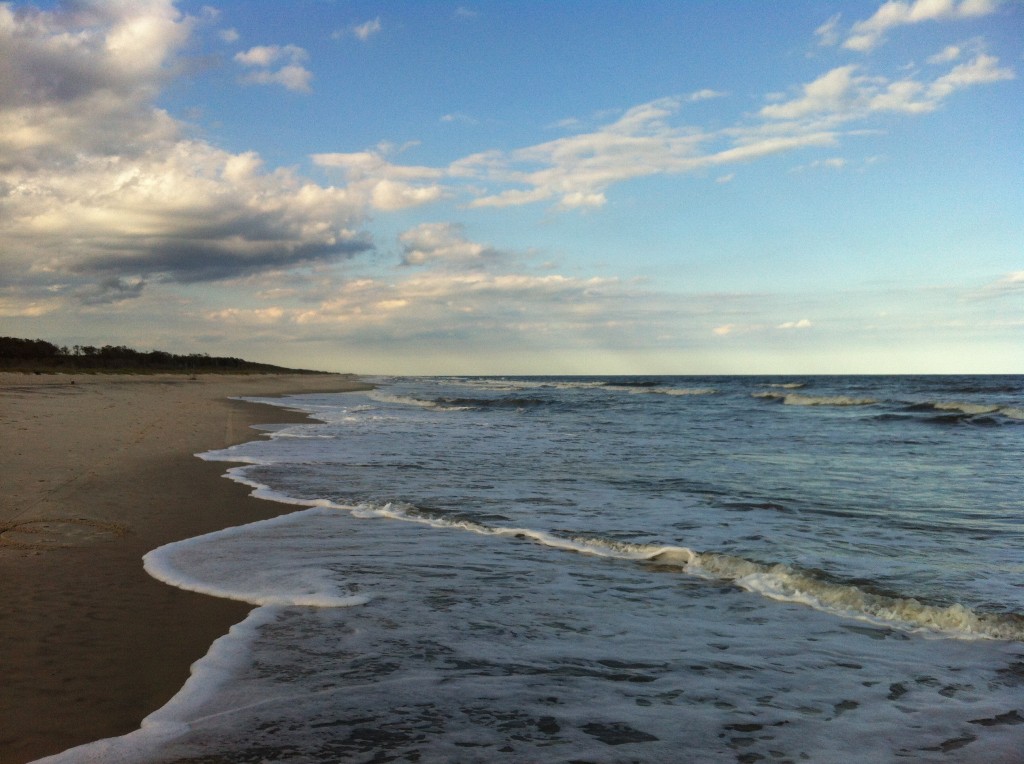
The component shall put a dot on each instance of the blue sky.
(519, 187)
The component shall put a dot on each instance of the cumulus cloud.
(868, 34)
(441, 242)
(290, 73)
(101, 192)
(387, 186)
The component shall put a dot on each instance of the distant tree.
(24, 354)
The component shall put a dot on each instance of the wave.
(633, 383)
(776, 581)
(285, 580)
(402, 400)
(506, 402)
(511, 384)
(798, 399)
(969, 409)
(673, 391)
(459, 403)
(789, 385)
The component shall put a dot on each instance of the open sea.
(601, 569)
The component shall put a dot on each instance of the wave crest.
(776, 581)
(798, 399)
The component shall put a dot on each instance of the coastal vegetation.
(42, 357)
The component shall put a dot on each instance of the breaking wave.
(776, 581)
(674, 391)
(969, 409)
(798, 399)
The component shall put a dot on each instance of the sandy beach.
(96, 470)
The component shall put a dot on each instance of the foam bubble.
(278, 573)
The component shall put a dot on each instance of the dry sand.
(96, 470)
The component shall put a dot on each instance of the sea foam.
(284, 573)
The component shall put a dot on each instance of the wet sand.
(95, 471)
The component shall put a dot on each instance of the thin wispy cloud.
(367, 29)
(705, 94)
(361, 32)
(870, 33)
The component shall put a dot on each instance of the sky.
(494, 187)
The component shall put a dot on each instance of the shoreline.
(96, 471)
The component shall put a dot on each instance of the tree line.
(39, 355)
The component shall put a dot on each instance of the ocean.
(616, 569)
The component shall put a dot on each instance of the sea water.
(659, 569)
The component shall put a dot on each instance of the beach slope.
(96, 470)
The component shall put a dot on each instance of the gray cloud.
(111, 290)
(187, 261)
(95, 180)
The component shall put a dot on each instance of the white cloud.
(844, 94)
(705, 95)
(385, 185)
(362, 32)
(292, 75)
(265, 55)
(948, 54)
(828, 33)
(432, 242)
(367, 29)
(982, 70)
(803, 323)
(575, 171)
(868, 34)
(462, 119)
(831, 163)
(229, 35)
(831, 92)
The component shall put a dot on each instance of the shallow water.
(656, 569)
